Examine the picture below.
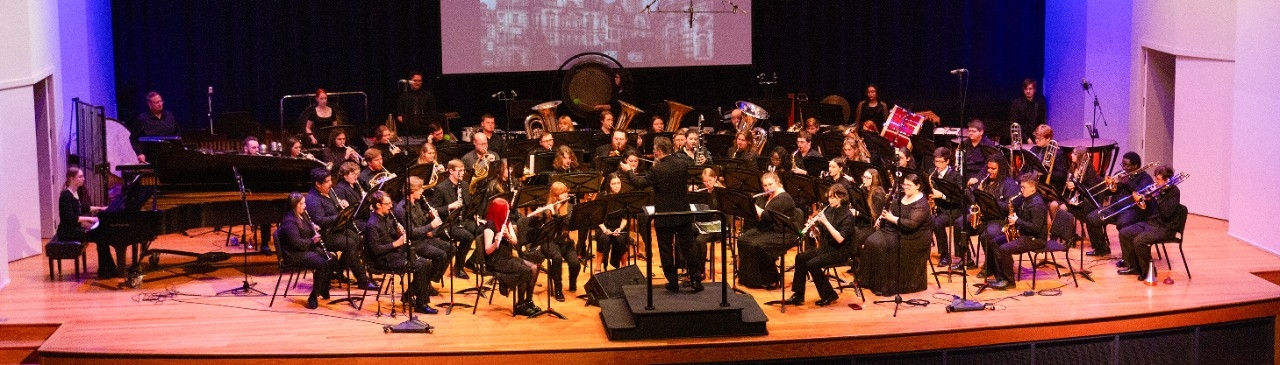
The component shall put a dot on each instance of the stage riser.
(681, 315)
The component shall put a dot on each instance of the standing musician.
(385, 238)
(674, 234)
(617, 147)
(871, 109)
(1057, 176)
(974, 160)
(1030, 221)
(481, 142)
(449, 197)
(895, 256)
(761, 244)
(514, 272)
(421, 225)
(496, 144)
(416, 100)
(156, 121)
(837, 175)
(337, 150)
(1029, 110)
(319, 115)
(1161, 223)
(742, 147)
(383, 142)
(836, 230)
(611, 236)
(301, 246)
(557, 249)
(945, 212)
(804, 148)
(1093, 223)
(74, 220)
(1004, 188)
(324, 205)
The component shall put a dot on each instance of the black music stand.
(739, 204)
(746, 180)
(543, 161)
(556, 225)
(452, 219)
(580, 182)
(246, 288)
(786, 223)
(608, 164)
(955, 196)
(583, 218)
(740, 163)
(647, 145)
(531, 196)
(815, 165)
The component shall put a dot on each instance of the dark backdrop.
(254, 52)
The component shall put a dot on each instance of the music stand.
(608, 164)
(740, 163)
(746, 180)
(580, 182)
(784, 221)
(815, 165)
(955, 196)
(735, 203)
(647, 145)
(532, 196)
(583, 217)
(543, 162)
(555, 225)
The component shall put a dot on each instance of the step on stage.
(679, 315)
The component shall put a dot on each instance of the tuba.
(534, 126)
(752, 113)
(677, 112)
(547, 112)
(625, 115)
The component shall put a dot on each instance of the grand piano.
(193, 189)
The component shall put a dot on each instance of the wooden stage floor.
(92, 319)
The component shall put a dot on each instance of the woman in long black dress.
(299, 244)
(513, 271)
(893, 261)
(75, 219)
(871, 109)
(611, 236)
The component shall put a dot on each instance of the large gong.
(587, 80)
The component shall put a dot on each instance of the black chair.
(295, 273)
(834, 274)
(1061, 233)
(388, 278)
(798, 219)
(57, 250)
(1181, 221)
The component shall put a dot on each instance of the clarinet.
(316, 228)
(408, 244)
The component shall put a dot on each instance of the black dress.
(894, 258)
(69, 230)
(761, 244)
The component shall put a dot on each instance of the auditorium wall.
(1253, 177)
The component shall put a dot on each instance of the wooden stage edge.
(73, 322)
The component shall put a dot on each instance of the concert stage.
(1116, 318)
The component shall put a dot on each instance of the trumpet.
(352, 152)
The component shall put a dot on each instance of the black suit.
(761, 244)
(380, 235)
(1033, 214)
(675, 234)
(1162, 223)
(324, 213)
(417, 223)
(464, 229)
(947, 212)
(297, 250)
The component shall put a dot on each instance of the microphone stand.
(412, 324)
(897, 297)
(1097, 112)
(245, 288)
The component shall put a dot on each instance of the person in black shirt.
(945, 209)
(1004, 188)
(414, 101)
(385, 238)
(1030, 220)
(761, 244)
(301, 246)
(156, 121)
(74, 218)
(421, 224)
(1028, 111)
(742, 146)
(324, 204)
(449, 197)
(836, 229)
(1093, 223)
(1058, 174)
(1161, 224)
(611, 236)
(674, 234)
(871, 109)
(974, 160)
(319, 115)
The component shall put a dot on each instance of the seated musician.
(855, 149)
(674, 234)
(617, 147)
(812, 126)
(903, 158)
(1058, 176)
(945, 213)
(679, 143)
(421, 224)
(1001, 186)
(156, 121)
(1131, 181)
(556, 246)
(606, 122)
(657, 125)
(427, 155)
(874, 202)
(710, 184)
(835, 228)
(385, 240)
(302, 246)
(691, 144)
(1082, 176)
(564, 124)
(448, 198)
(295, 151)
(1161, 224)
(337, 150)
(761, 244)
(324, 207)
(611, 236)
(75, 219)
(804, 148)
(514, 272)
(546, 143)
(481, 141)
(742, 146)
(735, 119)
(974, 160)
(779, 160)
(250, 146)
(375, 173)
(894, 256)
(1030, 221)
(436, 135)
(566, 160)
(836, 174)
(383, 144)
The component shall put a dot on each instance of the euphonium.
(677, 112)
(534, 126)
(625, 115)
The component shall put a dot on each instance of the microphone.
(959, 71)
(513, 93)
(496, 95)
(211, 90)
(402, 81)
(1084, 83)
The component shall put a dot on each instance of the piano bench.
(66, 250)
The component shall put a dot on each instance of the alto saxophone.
(1011, 230)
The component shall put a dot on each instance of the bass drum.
(119, 149)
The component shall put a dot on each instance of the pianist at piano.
(74, 220)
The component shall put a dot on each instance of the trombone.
(1146, 193)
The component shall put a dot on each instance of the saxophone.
(1011, 230)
